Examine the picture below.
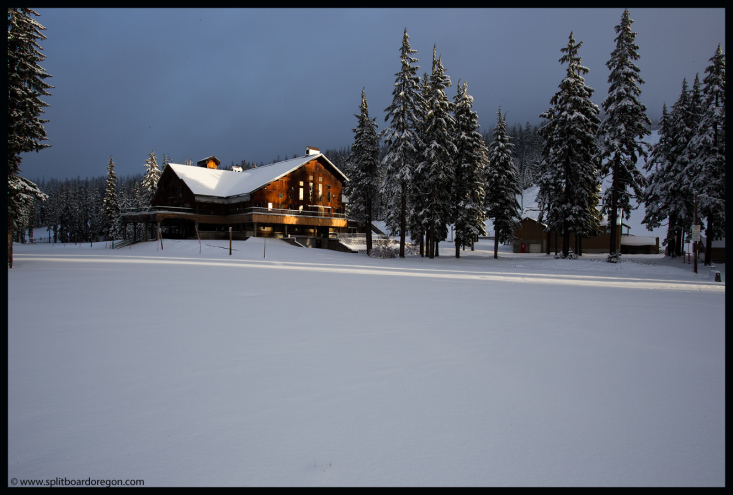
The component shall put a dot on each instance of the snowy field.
(311, 367)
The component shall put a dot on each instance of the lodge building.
(297, 197)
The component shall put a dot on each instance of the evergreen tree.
(150, 180)
(417, 198)
(569, 181)
(401, 141)
(363, 169)
(470, 163)
(437, 164)
(621, 132)
(678, 195)
(111, 203)
(502, 186)
(707, 151)
(26, 86)
(657, 166)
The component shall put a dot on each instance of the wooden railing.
(245, 211)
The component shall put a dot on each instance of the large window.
(300, 195)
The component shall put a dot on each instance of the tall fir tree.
(111, 204)
(150, 179)
(26, 131)
(707, 151)
(363, 169)
(677, 193)
(417, 223)
(470, 163)
(658, 166)
(626, 123)
(436, 166)
(569, 181)
(502, 186)
(401, 140)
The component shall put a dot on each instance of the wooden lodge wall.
(285, 193)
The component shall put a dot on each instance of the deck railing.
(244, 211)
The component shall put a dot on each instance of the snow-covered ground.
(279, 365)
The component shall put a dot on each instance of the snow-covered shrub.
(614, 258)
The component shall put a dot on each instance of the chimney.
(311, 150)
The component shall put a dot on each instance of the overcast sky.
(255, 84)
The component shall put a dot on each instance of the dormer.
(312, 150)
(209, 162)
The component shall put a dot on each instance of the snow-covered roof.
(226, 183)
(638, 240)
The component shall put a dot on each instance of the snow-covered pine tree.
(150, 179)
(416, 222)
(363, 170)
(625, 124)
(568, 186)
(707, 168)
(678, 195)
(26, 86)
(502, 186)
(401, 139)
(436, 166)
(111, 204)
(470, 162)
(658, 167)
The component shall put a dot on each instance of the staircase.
(121, 244)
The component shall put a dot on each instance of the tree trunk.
(496, 245)
(422, 244)
(612, 218)
(565, 241)
(369, 225)
(431, 229)
(10, 244)
(403, 220)
(580, 245)
(458, 248)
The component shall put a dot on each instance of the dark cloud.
(255, 84)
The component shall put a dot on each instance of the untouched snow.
(321, 368)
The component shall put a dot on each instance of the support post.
(230, 241)
(694, 243)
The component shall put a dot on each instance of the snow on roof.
(638, 240)
(227, 183)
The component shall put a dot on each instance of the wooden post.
(264, 250)
(160, 236)
(694, 243)
(230, 241)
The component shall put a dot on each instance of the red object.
(523, 248)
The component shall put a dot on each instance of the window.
(320, 192)
(269, 206)
(320, 178)
(328, 194)
(310, 177)
(310, 191)
(300, 195)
